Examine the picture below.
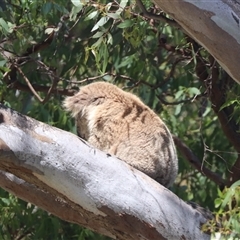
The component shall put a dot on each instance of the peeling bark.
(213, 24)
(60, 173)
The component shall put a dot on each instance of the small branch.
(65, 92)
(40, 46)
(50, 90)
(229, 126)
(136, 83)
(156, 17)
(185, 53)
(28, 83)
(87, 79)
(53, 86)
(44, 89)
(170, 75)
(10, 77)
(181, 101)
(196, 163)
(235, 171)
(217, 96)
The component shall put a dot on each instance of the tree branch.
(217, 95)
(43, 199)
(45, 89)
(210, 23)
(162, 18)
(108, 195)
(29, 84)
(196, 163)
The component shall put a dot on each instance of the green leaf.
(110, 39)
(46, 8)
(97, 34)
(236, 184)
(100, 23)
(228, 197)
(179, 94)
(217, 202)
(77, 3)
(98, 42)
(127, 23)
(194, 91)
(3, 62)
(123, 3)
(113, 15)
(91, 15)
(108, 6)
(75, 10)
(178, 109)
(105, 57)
(49, 30)
(122, 6)
(228, 103)
(6, 201)
(4, 25)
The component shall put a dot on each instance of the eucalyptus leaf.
(4, 25)
(113, 15)
(97, 34)
(127, 23)
(92, 15)
(101, 22)
(77, 3)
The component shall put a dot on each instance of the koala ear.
(75, 104)
(79, 101)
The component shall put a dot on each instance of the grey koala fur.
(119, 123)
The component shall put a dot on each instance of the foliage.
(49, 49)
(228, 215)
(21, 220)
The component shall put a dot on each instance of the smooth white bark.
(214, 24)
(111, 197)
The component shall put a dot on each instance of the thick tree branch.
(43, 199)
(108, 195)
(214, 24)
(235, 171)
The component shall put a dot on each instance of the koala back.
(119, 123)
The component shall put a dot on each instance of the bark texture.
(60, 173)
(214, 24)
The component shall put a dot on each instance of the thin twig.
(28, 83)
(170, 75)
(54, 85)
(195, 162)
(61, 91)
(181, 101)
(89, 78)
(136, 83)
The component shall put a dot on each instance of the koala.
(120, 124)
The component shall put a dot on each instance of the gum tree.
(167, 54)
